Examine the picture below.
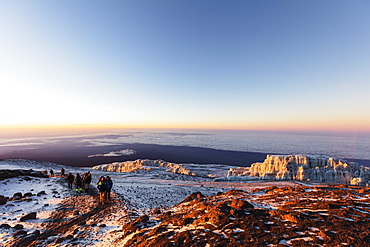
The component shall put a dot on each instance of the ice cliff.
(303, 168)
(274, 167)
(142, 165)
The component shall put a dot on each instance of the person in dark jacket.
(62, 171)
(70, 179)
(86, 178)
(78, 182)
(102, 190)
(108, 187)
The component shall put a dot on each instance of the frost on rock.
(303, 168)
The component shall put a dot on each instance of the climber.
(108, 187)
(86, 178)
(70, 179)
(102, 190)
(78, 182)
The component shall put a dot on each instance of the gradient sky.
(186, 64)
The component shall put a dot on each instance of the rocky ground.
(72, 222)
(306, 216)
(156, 210)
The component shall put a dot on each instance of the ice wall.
(302, 167)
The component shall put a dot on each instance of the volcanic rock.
(240, 204)
(20, 233)
(323, 216)
(17, 195)
(133, 226)
(41, 193)
(59, 240)
(15, 173)
(27, 178)
(3, 200)
(29, 216)
(36, 232)
(18, 226)
(156, 211)
(193, 196)
(6, 226)
(28, 194)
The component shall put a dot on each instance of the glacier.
(303, 168)
(146, 165)
(274, 167)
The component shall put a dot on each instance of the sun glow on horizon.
(63, 69)
(35, 130)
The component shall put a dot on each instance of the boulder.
(28, 194)
(29, 216)
(193, 196)
(18, 226)
(59, 240)
(36, 232)
(41, 193)
(3, 200)
(135, 225)
(142, 219)
(233, 192)
(156, 211)
(17, 195)
(82, 223)
(6, 226)
(240, 204)
(20, 233)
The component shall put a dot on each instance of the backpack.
(78, 180)
(101, 186)
(88, 178)
(108, 184)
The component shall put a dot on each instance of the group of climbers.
(80, 182)
(104, 185)
(52, 172)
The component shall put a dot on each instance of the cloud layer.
(125, 152)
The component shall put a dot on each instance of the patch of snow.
(361, 211)
(289, 242)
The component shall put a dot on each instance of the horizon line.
(71, 127)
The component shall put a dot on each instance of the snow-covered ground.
(137, 193)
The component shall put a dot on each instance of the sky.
(273, 65)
